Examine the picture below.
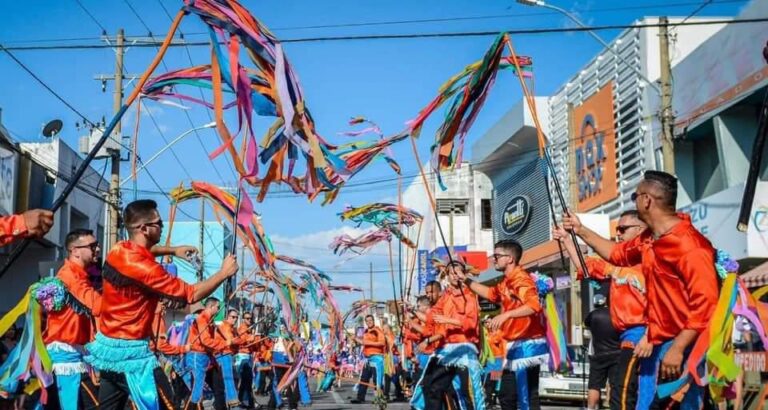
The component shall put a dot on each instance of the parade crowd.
(110, 348)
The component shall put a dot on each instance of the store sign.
(594, 147)
(516, 214)
(716, 217)
(8, 165)
(423, 261)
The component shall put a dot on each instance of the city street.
(340, 398)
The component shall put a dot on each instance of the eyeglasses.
(158, 223)
(93, 246)
(636, 195)
(497, 256)
(624, 228)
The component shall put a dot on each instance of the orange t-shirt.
(515, 290)
(66, 325)
(247, 338)
(133, 285)
(374, 335)
(680, 272)
(226, 332)
(627, 290)
(201, 335)
(11, 228)
(456, 304)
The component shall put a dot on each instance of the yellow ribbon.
(11, 317)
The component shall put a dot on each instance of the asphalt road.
(340, 399)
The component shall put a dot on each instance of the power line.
(698, 9)
(103, 30)
(47, 87)
(410, 36)
(404, 22)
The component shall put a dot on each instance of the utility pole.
(370, 278)
(114, 182)
(666, 115)
(200, 269)
(573, 188)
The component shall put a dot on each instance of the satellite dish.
(52, 128)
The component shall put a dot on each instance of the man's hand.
(497, 322)
(559, 234)
(187, 348)
(38, 222)
(671, 363)
(643, 348)
(424, 345)
(184, 251)
(572, 223)
(229, 267)
(443, 320)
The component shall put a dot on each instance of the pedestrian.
(374, 345)
(134, 282)
(604, 349)
(679, 265)
(628, 305)
(522, 323)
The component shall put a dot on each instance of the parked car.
(570, 387)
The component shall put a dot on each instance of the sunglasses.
(623, 228)
(93, 246)
(247, 318)
(636, 195)
(158, 224)
(497, 256)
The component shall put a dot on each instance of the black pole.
(754, 164)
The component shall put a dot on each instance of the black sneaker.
(356, 401)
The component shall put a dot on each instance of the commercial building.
(603, 132)
(33, 176)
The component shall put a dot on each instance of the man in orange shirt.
(134, 282)
(628, 307)
(31, 224)
(522, 324)
(69, 329)
(679, 265)
(373, 343)
(455, 320)
(226, 334)
(244, 360)
(203, 345)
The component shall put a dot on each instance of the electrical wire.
(410, 36)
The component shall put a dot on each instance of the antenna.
(52, 128)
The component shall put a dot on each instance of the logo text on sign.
(590, 158)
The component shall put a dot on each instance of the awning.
(757, 277)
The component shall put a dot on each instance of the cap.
(598, 300)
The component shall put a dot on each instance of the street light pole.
(541, 3)
(165, 148)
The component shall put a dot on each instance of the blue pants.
(197, 364)
(228, 374)
(245, 370)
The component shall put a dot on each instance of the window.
(486, 220)
(453, 207)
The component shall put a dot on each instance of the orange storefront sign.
(594, 147)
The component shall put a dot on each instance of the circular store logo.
(516, 214)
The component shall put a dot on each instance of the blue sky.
(388, 81)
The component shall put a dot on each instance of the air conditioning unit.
(89, 141)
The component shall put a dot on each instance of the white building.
(464, 211)
(33, 176)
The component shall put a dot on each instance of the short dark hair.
(666, 187)
(230, 310)
(138, 212)
(73, 236)
(370, 316)
(513, 247)
(630, 213)
(212, 301)
(435, 284)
